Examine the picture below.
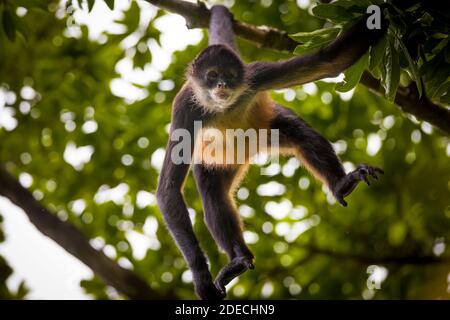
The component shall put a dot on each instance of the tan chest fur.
(257, 115)
(217, 145)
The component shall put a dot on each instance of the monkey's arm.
(171, 201)
(221, 27)
(329, 61)
(317, 154)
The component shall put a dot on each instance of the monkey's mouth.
(220, 94)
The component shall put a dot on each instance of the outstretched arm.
(221, 27)
(171, 201)
(326, 62)
(317, 155)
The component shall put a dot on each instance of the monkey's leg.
(215, 186)
(318, 155)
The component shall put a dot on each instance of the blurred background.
(85, 100)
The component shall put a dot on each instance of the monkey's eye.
(231, 74)
(212, 75)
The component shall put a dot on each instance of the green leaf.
(140, 59)
(90, 4)
(314, 40)
(353, 74)
(376, 72)
(352, 3)
(397, 233)
(22, 291)
(110, 4)
(95, 287)
(377, 52)
(441, 90)
(435, 73)
(153, 33)
(325, 33)
(41, 4)
(447, 54)
(132, 17)
(332, 12)
(310, 45)
(355, 7)
(412, 66)
(446, 98)
(8, 25)
(22, 29)
(438, 81)
(391, 77)
(428, 68)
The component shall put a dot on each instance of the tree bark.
(75, 242)
(367, 259)
(197, 16)
(408, 100)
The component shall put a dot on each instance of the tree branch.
(410, 259)
(197, 16)
(407, 99)
(75, 242)
(399, 260)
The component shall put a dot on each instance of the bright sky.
(48, 270)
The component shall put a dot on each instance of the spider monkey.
(224, 92)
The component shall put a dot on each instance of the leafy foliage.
(59, 88)
(417, 42)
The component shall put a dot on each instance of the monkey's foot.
(236, 267)
(347, 184)
(205, 288)
(208, 291)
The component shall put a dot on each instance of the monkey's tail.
(221, 27)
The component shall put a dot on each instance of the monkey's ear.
(195, 67)
(193, 64)
(191, 67)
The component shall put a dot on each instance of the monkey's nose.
(221, 85)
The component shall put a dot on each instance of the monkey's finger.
(221, 288)
(374, 175)
(341, 201)
(249, 264)
(379, 170)
(229, 272)
(366, 180)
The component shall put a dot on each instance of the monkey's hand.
(205, 288)
(347, 184)
(236, 267)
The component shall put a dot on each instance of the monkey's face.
(221, 83)
(219, 74)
